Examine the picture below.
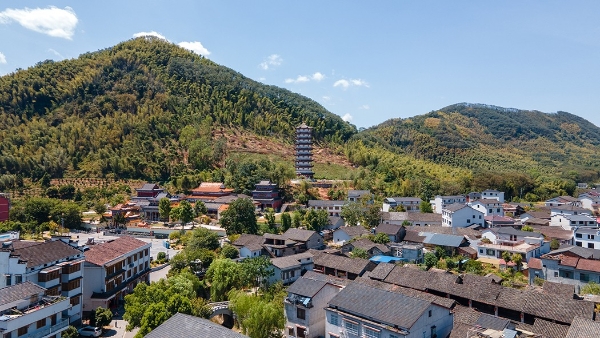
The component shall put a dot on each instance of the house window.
(8, 280)
(490, 252)
(591, 236)
(300, 313)
(22, 331)
(591, 245)
(18, 279)
(481, 251)
(468, 221)
(433, 332)
(75, 300)
(301, 332)
(578, 236)
(371, 333)
(429, 313)
(578, 243)
(584, 277)
(291, 331)
(333, 319)
(565, 274)
(40, 323)
(351, 328)
(555, 273)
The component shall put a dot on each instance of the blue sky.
(365, 61)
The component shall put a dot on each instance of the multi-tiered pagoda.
(304, 151)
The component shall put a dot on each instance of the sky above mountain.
(365, 61)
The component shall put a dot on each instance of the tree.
(439, 252)
(517, 259)
(506, 256)
(239, 218)
(258, 316)
(527, 228)
(270, 217)
(554, 244)
(426, 207)
(381, 238)
(200, 208)
(474, 267)
(102, 316)
(164, 208)
(224, 275)
(372, 216)
(351, 213)
(203, 238)
(316, 219)
(229, 251)
(286, 222)
(175, 214)
(45, 181)
(297, 217)
(591, 288)
(119, 218)
(70, 332)
(257, 271)
(99, 208)
(186, 213)
(359, 253)
(431, 260)
(406, 223)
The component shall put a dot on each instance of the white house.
(250, 245)
(562, 200)
(112, 269)
(289, 268)
(590, 200)
(569, 222)
(489, 207)
(441, 202)
(333, 208)
(587, 237)
(461, 215)
(27, 311)
(527, 244)
(410, 204)
(344, 234)
(361, 310)
(493, 194)
(567, 209)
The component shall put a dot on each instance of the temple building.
(304, 151)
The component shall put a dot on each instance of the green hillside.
(144, 109)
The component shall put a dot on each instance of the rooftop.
(100, 254)
(40, 253)
(182, 325)
(351, 265)
(13, 293)
(296, 234)
(583, 328)
(353, 230)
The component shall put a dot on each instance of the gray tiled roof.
(18, 292)
(252, 242)
(379, 305)
(290, 261)
(512, 231)
(444, 240)
(583, 328)
(324, 203)
(351, 265)
(182, 326)
(381, 271)
(578, 251)
(40, 253)
(492, 322)
(550, 329)
(388, 229)
(306, 287)
(455, 207)
(353, 231)
(298, 234)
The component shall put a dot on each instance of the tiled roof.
(388, 229)
(486, 201)
(513, 231)
(554, 232)
(455, 207)
(549, 329)
(18, 292)
(583, 328)
(298, 234)
(40, 253)
(569, 261)
(381, 271)
(414, 237)
(353, 231)
(588, 265)
(567, 207)
(252, 242)
(100, 254)
(290, 261)
(492, 322)
(576, 251)
(379, 305)
(444, 240)
(441, 301)
(559, 289)
(306, 287)
(324, 203)
(149, 186)
(182, 325)
(367, 244)
(471, 233)
(326, 278)
(539, 214)
(535, 263)
(351, 265)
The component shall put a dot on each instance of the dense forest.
(147, 109)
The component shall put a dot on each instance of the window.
(8, 280)
(301, 332)
(591, 245)
(490, 252)
(75, 300)
(433, 332)
(578, 243)
(333, 319)
(18, 279)
(591, 236)
(429, 313)
(300, 313)
(481, 251)
(22, 331)
(578, 236)
(468, 221)
(372, 333)
(352, 328)
(291, 331)
(565, 274)
(40, 323)
(555, 273)
(584, 277)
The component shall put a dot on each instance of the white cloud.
(195, 47)
(365, 107)
(56, 53)
(2, 58)
(53, 21)
(342, 83)
(317, 76)
(272, 61)
(153, 33)
(326, 98)
(347, 117)
(299, 79)
(352, 82)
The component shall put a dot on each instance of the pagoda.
(304, 151)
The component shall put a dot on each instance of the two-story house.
(590, 200)
(376, 310)
(359, 196)
(527, 244)
(341, 266)
(461, 216)
(562, 200)
(288, 269)
(570, 222)
(489, 207)
(311, 239)
(568, 209)
(333, 208)
(411, 218)
(26, 310)
(346, 233)
(250, 245)
(395, 232)
(305, 304)
(372, 249)
(112, 269)
(493, 194)
(409, 204)
(587, 237)
(439, 203)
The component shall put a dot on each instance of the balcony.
(49, 331)
(14, 318)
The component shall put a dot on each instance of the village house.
(346, 233)
(493, 194)
(590, 200)
(372, 249)
(527, 244)
(304, 306)
(373, 309)
(407, 252)
(360, 195)
(288, 269)
(461, 215)
(333, 208)
(569, 265)
(395, 232)
(249, 245)
(439, 203)
(587, 237)
(570, 222)
(53, 265)
(569, 210)
(562, 200)
(182, 325)
(561, 235)
(513, 209)
(311, 239)
(208, 192)
(112, 269)
(450, 243)
(540, 214)
(26, 310)
(341, 266)
(280, 245)
(489, 207)
(411, 218)
(498, 221)
(410, 204)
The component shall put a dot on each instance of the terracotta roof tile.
(588, 265)
(100, 254)
(535, 263)
(569, 261)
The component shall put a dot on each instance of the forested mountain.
(488, 139)
(144, 109)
